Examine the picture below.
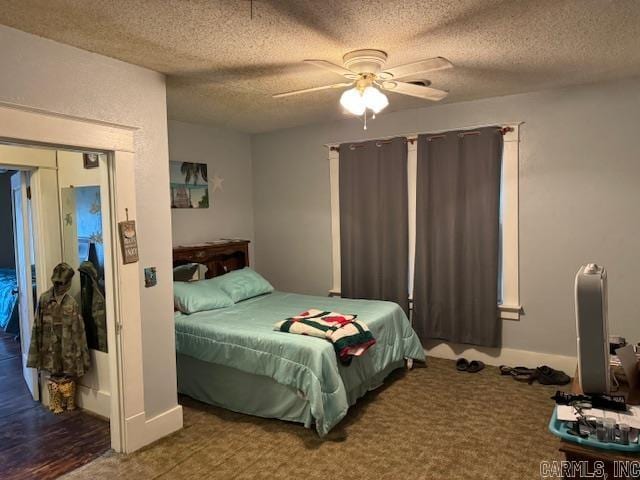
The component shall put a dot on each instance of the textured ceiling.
(223, 66)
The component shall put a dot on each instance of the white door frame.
(21, 125)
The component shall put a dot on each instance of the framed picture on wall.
(189, 185)
(90, 160)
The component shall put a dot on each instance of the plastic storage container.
(560, 429)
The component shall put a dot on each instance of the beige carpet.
(428, 423)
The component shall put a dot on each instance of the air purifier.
(592, 329)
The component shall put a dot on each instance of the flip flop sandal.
(548, 376)
(521, 374)
(506, 370)
(475, 366)
(462, 365)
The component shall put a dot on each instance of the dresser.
(219, 257)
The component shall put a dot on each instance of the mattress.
(8, 299)
(242, 337)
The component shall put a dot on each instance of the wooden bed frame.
(219, 257)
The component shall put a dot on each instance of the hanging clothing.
(93, 255)
(93, 307)
(58, 340)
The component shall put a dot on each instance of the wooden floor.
(35, 443)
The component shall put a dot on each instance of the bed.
(8, 301)
(225, 356)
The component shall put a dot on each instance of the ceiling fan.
(366, 73)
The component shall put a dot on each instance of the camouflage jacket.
(93, 307)
(58, 341)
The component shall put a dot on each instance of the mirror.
(84, 251)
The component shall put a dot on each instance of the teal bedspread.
(242, 337)
(8, 299)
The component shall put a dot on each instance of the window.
(508, 287)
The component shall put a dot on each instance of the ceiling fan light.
(374, 99)
(353, 101)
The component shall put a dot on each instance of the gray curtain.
(374, 221)
(457, 237)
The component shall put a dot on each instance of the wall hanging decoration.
(216, 183)
(129, 241)
(189, 185)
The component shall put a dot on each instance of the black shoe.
(548, 376)
(475, 366)
(462, 364)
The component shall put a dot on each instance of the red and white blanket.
(350, 337)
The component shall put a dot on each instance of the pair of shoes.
(474, 366)
(544, 374)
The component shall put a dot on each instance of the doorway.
(131, 425)
(57, 213)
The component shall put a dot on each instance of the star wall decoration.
(216, 183)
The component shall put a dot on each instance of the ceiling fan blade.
(423, 66)
(314, 89)
(419, 91)
(333, 68)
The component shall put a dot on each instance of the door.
(23, 242)
(45, 212)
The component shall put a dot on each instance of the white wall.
(47, 75)
(227, 153)
(579, 197)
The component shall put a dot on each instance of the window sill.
(505, 312)
(509, 312)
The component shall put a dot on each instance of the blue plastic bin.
(561, 428)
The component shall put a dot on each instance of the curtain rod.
(411, 137)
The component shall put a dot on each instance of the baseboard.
(95, 401)
(163, 424)
(141, 431)
(501, 356)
